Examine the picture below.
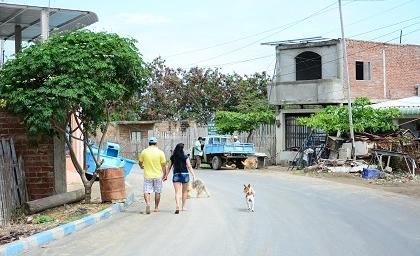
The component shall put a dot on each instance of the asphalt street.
(294, 216)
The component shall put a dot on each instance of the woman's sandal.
(176, 211)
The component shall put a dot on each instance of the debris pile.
(396, 156)
(338, 165)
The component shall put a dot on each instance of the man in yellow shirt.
(152, 160)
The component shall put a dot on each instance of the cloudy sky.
(229, 33)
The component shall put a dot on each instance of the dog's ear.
(244, 186)
(249, 185)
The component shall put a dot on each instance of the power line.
(288, 25)
(285, 26)
(371, 16)
(367, 32)
(241, 61)
(236, 40)
(325, 9)
(391, 25)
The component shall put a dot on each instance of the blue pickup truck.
(220, 150)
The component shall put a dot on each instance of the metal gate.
(295, 134)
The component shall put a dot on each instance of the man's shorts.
(152, 185)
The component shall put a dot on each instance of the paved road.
(294, 216)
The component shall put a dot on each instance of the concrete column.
(280, 134)
(45, 24)
(18, 38)
(60, 180)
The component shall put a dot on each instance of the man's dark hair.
(151, 143)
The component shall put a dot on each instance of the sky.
(228, 34)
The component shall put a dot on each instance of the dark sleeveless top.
(180, 165)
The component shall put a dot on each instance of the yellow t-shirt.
(152, 158)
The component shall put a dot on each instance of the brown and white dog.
(250, 163)
(249, 197)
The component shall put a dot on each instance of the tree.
(228, 122)
(247, 107)
(82, 75)
(177, 94)
(365, 118)
(248, 93)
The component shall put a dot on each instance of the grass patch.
(43, 219)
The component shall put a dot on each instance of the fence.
(169, 139)
(13, 191)
(264, 139)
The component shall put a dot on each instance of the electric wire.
(363, 33)
(241, 38)
(325, 9)
(282, 26)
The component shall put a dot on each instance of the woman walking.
(181, 165)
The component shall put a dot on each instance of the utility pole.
(346, 75)
(1, 52)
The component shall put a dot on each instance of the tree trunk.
(248, 139)
(88, 193)
(45, 203)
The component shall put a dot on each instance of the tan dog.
(199, 186)
(250, 163)
(189, 189)
(249, 197)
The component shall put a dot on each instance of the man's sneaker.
(148, 209)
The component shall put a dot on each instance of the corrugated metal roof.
(29, 17)
(407, 106)
(316, 39)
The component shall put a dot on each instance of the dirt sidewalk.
(401, 186)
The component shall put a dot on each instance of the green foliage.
(248, 93)
(365, 118)
(228, 122)
(78, 72)
(177, 94)
(43, 219)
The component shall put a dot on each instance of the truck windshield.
(226, 141)
(220, 140)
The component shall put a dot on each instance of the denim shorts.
(182, 177)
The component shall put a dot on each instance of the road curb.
(42, 238)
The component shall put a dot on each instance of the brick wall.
(402, 69)
(38, 156)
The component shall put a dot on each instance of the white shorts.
(152, 185)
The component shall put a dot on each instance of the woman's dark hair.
(178, 155)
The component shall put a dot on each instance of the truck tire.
(216, 162)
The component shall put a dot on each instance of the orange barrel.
(112, 184)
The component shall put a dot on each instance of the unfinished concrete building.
(309, 72)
